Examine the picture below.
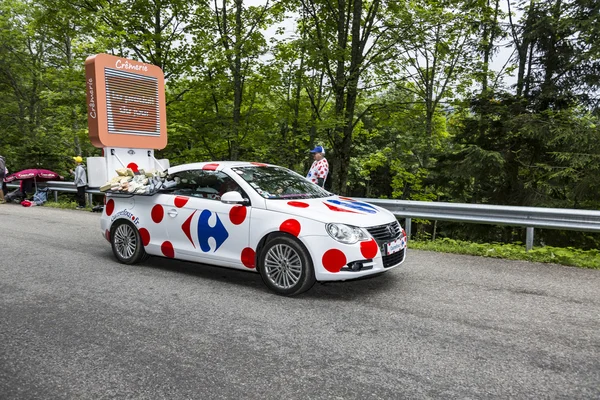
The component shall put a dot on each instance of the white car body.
(180, 224)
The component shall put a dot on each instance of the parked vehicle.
(256, 217)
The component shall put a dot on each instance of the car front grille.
(385, 233)
(393, 259)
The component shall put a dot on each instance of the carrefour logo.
(205, 231)
(126, 214)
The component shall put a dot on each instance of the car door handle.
(172, 212)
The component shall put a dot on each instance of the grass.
(566, 256)
(64, 204)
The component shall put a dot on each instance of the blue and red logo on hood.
(348, 205)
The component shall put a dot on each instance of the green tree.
(348, 38)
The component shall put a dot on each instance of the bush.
(516, 251)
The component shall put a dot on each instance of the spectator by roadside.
(80, 181)
(320, 167)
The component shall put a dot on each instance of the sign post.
(126, 112)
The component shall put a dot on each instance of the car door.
(202, 228)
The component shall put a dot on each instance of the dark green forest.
(474, 101)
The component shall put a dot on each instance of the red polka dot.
(258, 164)
(181, 201)
(368, 249)
(145, 235)
(248, 257)
(210, 167)
(334, 260)
(133, 166)
(167, 249)
(290, 226)
(110, 207)
(107, 235)
(237, 215)
(298, 204)
(346, 198)
(157, 213)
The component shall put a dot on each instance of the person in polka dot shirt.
(320, 167)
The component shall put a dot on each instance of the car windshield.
(279, 183)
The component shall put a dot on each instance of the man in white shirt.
(320, 167)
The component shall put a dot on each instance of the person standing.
(319, 168)
(80, 181)
(3, 172)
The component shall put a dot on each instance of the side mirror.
(234, 198)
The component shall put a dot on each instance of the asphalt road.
(75, 324)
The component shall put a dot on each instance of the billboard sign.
(125, 103)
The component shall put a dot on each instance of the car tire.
(286, 267)
(126, 243)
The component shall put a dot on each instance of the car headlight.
(347, 234)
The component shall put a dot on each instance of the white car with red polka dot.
(255, 217)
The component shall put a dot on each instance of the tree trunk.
(237, 83)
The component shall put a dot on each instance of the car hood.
(334, 209)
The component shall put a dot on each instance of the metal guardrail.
(527, 217)
(61, 186)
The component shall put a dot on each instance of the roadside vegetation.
(515, 251)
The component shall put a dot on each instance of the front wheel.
(285, 266)
(127, 243)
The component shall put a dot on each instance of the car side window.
(203, 184)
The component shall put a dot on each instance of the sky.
(499, 60)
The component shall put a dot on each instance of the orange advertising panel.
(125, 103)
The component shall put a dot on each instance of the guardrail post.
(529, 238)
(407, 227)
(56, 196)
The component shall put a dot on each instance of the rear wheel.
(286, 267)
(127, 243)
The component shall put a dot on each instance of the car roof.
(216, 165)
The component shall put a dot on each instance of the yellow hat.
(78, 159)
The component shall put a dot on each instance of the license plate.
(394, 247)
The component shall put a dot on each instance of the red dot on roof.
(210, 167)
(258, 164)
